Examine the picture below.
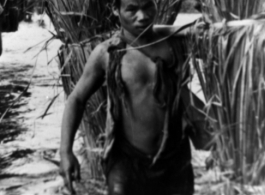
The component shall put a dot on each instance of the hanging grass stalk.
(233, 55)
(217, 10)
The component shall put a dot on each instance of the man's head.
(135, 15)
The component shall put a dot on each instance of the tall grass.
(218, 10)
(81, 25)
(233, 55)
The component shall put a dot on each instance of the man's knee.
(117, 180)
(116, 188)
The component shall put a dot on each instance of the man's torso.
(142, 116)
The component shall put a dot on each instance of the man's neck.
(142, 39)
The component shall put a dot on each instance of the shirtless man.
(147, 153)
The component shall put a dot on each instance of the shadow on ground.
(13, 95)
(9, 105)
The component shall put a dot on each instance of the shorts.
(129, 172)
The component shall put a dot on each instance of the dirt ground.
(29, 144)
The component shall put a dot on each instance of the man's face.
(137, 15)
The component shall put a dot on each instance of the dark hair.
(117, 3)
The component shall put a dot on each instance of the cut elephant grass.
(81, 20)
(217, 10)
(232, 79)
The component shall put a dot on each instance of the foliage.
(217, 10)
(189, 6)
(233, 84)
(79, 20)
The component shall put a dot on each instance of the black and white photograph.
(132, 97)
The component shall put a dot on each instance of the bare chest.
(139, 70)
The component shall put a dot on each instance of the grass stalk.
(234, 79)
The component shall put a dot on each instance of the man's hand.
(70, 170)
(200, 27)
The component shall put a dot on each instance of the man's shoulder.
(105, 46)
(100, 54)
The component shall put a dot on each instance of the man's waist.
(172, 152)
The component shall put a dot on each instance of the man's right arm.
(91, 79)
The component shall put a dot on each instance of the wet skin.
(143, 121)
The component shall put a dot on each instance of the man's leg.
(117, 180)
(181, 181)
(122, 180)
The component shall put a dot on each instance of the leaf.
(234, 86)
(67, 60)
(48, 107)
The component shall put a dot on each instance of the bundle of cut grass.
(217, 10)
(81, 25)
(233, 55)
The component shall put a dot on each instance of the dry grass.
(233, 55)
(217, 10)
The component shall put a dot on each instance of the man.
(146, 150)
